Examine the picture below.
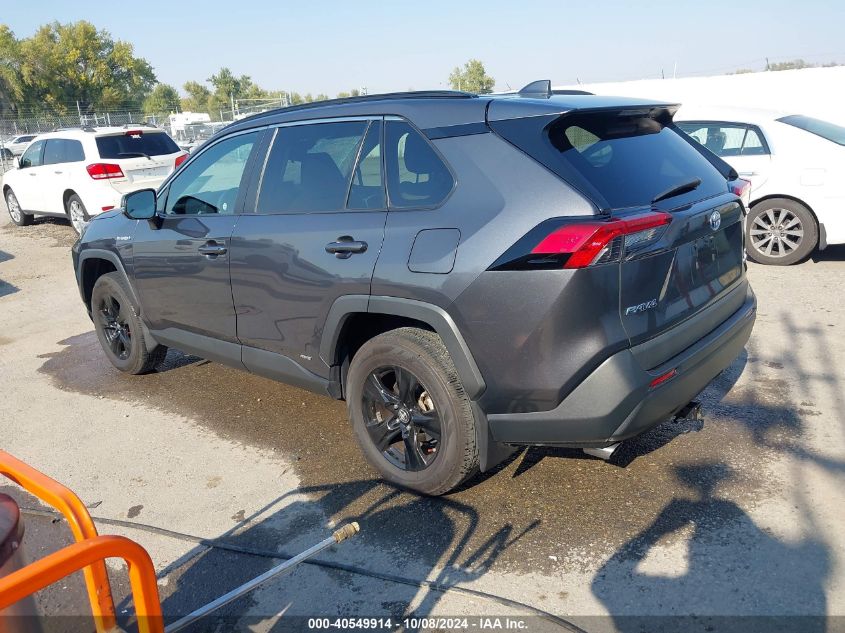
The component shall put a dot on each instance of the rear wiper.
(676, 190)
(147, 156)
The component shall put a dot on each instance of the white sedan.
(796, 165)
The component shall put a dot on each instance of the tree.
(65, 65)
(162, 101)
(197, 99)
(472, 78)
(12, 89)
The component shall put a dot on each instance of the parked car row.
(81, 172)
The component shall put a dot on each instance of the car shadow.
(727, 566)
(433, 538)
(718, 569)
(5, 287)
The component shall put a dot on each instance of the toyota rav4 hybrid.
(78, 173)
(469, 273)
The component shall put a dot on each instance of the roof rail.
(411, 94)
(129, 126)
(84, 128)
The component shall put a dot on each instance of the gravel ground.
(719, 523)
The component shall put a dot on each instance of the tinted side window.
(32, 156)
(210, 183)
(367, 189)
(309, 167)
(416, 177)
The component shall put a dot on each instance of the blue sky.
(329, 45)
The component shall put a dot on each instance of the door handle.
(345, 246)
(748, 173)
(58, 172)
(212, 249)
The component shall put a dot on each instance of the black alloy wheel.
(116, 328)
(401, 418)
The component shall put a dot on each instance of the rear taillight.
(568, 244)
(741, 188)
(101, 171)
(582, 244)
(180, 159)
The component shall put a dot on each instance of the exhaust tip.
(605, 453)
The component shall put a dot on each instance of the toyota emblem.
(715, 220)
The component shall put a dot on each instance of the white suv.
(79, 173)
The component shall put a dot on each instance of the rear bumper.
(615, 401)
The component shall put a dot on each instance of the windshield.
(618, 159)
(825, 129)
(132, 146)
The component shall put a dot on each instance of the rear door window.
(416, 175)
(727, 139)
(309, 167)
(132, 145)
(617, 158)
(60, 150)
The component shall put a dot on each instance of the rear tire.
(76, 213)
(119, 327)
(423, 439)
(15, 212)
(780, 232)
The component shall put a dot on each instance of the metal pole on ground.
(340, 535)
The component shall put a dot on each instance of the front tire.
(15, 212)
(76, 213)
(410, 413)
(119, 328)
(780, 232)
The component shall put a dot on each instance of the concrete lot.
(739, 516)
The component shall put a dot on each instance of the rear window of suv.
(618, 159)
(135, 145)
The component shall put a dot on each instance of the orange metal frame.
(87, 554)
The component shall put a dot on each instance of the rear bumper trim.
(614, 402)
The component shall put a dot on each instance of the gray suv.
(470, 273)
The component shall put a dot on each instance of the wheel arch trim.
(436, 317)
(98, 253)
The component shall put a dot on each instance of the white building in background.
(817, 92)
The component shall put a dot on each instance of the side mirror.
(140, 205)
(22, 164)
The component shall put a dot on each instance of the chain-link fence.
(188, 132)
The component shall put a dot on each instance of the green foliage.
(62, 64)
(197, 99)
(472, 78)
(162, 101)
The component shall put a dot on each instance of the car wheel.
(76, 213)
(410, 413)
(780, 232)
(15, 212)
(119, 329)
